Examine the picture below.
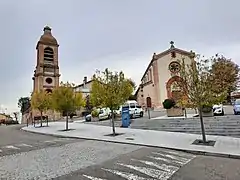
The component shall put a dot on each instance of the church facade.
(159, 79)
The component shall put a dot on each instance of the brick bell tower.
(46, 74)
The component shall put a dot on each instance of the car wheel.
(235, 113)
(222, 113)
(141, 114)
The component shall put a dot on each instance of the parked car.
(218, 110)
(134, 108)
(104, 113)
(236, 106)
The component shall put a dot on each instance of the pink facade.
(157, 83)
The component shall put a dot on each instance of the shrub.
(168, 103)
(95, 113)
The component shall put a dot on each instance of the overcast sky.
(118, 34)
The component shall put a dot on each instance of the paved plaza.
(227, 125)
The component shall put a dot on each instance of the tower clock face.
(174, 67)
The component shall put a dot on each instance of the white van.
(134, 108)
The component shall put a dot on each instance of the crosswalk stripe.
(178, 154)
(11, 147)
(126, 175)
(25, 145)
(154, 173)
(92, 178)
(164, 167)
(180, 159)
(166, 160)
(49, 141)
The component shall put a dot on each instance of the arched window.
(48, 54)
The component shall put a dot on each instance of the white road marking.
(180, 159)
(49, 141)
(166, 160)
(149, 171)
(92, 178)
(164, 167)
(126, 175)
(178, 154)
(11, 147)
(24, 145)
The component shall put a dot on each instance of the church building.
(157, 82)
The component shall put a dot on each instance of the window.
(49, 80)
(132, 105)
(48, 54)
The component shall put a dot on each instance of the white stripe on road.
(126, 175)
(149, 171)
(92, 178)
(11, 147)
(180, 159)
(165, 160)
(179, 154)
(24, 145)
(49, 141)
(164, 167)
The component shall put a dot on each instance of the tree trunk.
(47, 120)
(202, 125)
(113, 126)
(41, 119)
(185, 112)
(67, 122)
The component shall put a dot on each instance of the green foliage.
(132, 97)
(198, 84)
(41, 100)
(94, 113)
(64, 99)
(168, 103)
(110, 89)
(24, 104)
(225, 74)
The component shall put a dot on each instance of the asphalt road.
(26, 155)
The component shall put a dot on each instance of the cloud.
(121, 35)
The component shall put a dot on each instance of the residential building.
(159, 80)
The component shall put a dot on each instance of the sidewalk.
(224, 146)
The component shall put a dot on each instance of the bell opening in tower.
(48, 54)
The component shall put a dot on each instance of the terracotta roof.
(47, 37)
(164, 53)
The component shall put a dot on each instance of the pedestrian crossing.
(156, 165)
(19, 147)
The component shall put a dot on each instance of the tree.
(41, 101)
(225, 73)
(110, 89)
(15, 115)
(65, 100)
(24, 104)
(197, 85)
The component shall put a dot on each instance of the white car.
(218, 110)
(104, 113)
(134, 108)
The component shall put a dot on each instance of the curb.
(203, 153)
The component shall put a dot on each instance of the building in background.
(85, 88)
(159, 79)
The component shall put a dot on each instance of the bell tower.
(46, 74)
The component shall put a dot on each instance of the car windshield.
(237, 102)
(132, 105)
